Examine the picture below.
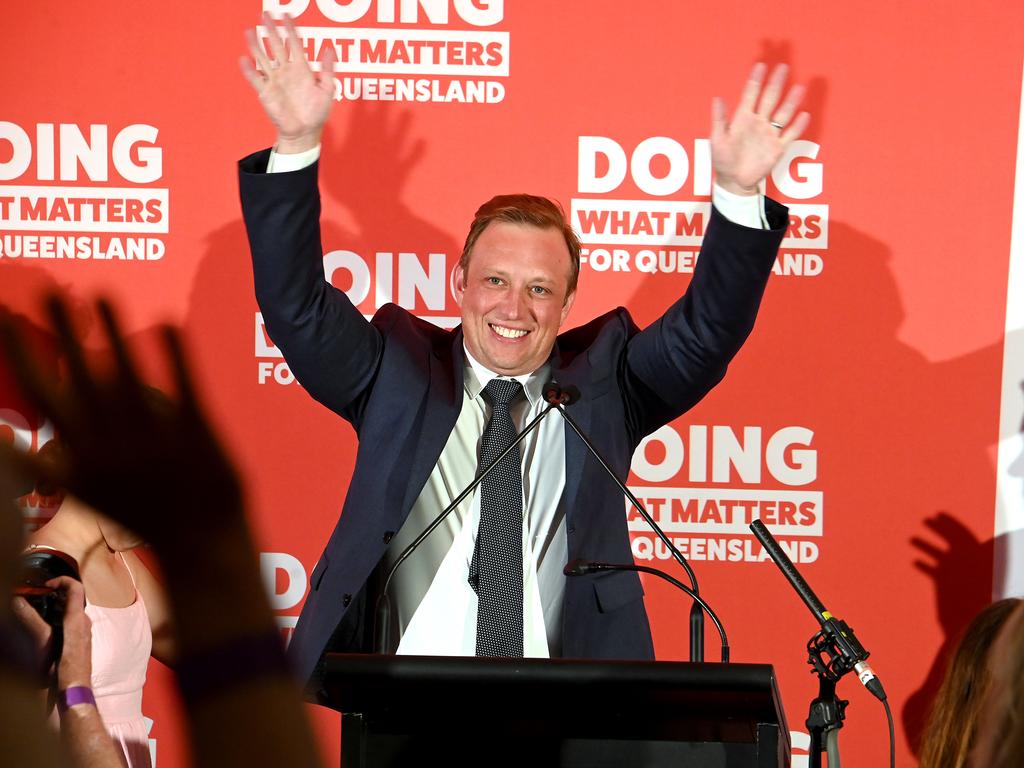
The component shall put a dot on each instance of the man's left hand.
(745, 149)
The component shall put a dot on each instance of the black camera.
(38, 566)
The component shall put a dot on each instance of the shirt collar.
(478, 376)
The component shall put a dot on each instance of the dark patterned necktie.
(496, 571)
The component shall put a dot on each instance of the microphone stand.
(832, 652)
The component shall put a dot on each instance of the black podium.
(456, 711)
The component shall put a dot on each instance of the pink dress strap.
(128, 568)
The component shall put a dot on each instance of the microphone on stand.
(837, 633)
(697, 610)
(557, 395)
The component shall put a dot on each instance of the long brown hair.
(1001, 736)
(949, 735)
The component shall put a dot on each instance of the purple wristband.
(76, 694)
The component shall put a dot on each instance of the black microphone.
(579, 567)
(839, 634)
(556, 394)
(696, 612)
(583, 567)
(382, 614)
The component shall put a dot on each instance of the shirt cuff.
(279, 163)
(747, 210)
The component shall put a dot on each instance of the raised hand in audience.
(161, 471)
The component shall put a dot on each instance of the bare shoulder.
(51, 537)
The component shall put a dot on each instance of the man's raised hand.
(296, 99)
(745, 149)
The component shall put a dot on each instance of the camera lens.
(38, 567)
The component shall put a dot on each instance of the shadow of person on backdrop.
(951, 566)
(929, 426)
(899, 436)
(363, 174)
(378, 148)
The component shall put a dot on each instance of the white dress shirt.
(436, 606)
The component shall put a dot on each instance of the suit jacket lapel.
(575, 451)
(442, 405)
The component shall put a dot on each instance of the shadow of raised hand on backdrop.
(947, 553)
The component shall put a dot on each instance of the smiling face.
(514, 296)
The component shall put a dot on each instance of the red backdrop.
(862, 415)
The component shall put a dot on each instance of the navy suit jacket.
(399, 381)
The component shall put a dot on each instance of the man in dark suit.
(427, 403)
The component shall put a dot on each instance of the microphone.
(838, 635)
(556, 394)
(579, 567)
(382, 613)
(583, 567)
(696, 612)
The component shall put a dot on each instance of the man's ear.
(566, 307)
(458, 283)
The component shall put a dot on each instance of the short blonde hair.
(532, 210)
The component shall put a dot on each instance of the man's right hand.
(296, 99)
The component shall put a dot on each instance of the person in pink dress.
(129, 615)
(160, 471)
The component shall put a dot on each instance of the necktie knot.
(501, 392)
